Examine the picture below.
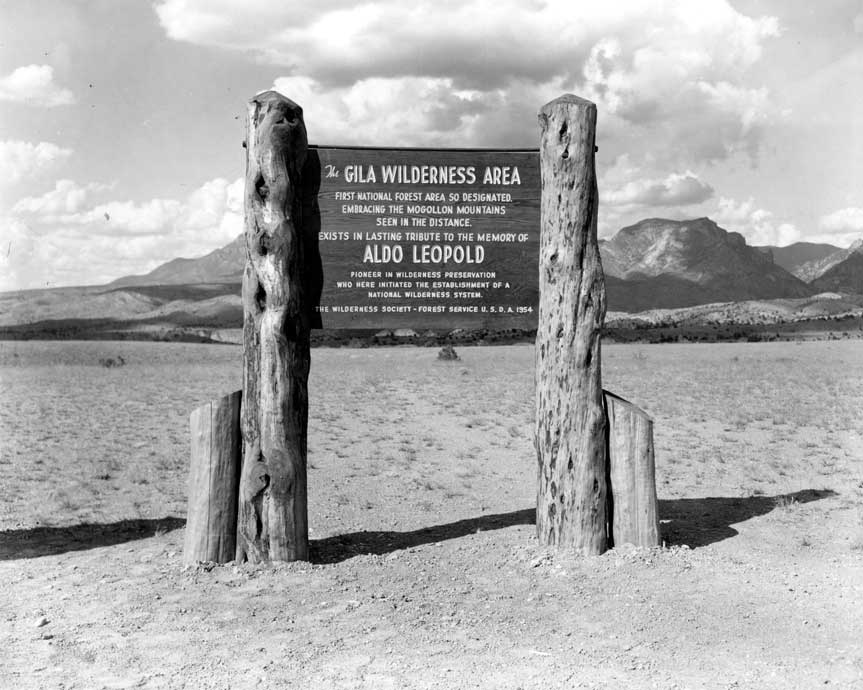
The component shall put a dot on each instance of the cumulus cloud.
(403, 111)
(629, 191)
(841, 227)
(216, 206)
(475, 72)
(34, 85)
(30, 259)
(16, 253)
(70, 237)
(677, 189)
(126, 218)
(66, 197)
(23, 159)
(843, 220)
(477, 42)
(759, 226)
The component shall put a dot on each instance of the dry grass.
(750, 417)
(759, 452)
(729, 420)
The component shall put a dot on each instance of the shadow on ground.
(691, 521)
(49, 541)
(344, 546)
(702, 521)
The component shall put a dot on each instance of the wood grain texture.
(272, 521)
(214, 477)
(570, 420)
(634, 517)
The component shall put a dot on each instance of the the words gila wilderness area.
(444, 239)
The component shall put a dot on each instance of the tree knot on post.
(255, 479)
(261, 188)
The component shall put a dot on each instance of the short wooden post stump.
(633, 513)
(214, 480)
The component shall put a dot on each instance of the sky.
(121, 121)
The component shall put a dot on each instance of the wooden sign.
(428, 238)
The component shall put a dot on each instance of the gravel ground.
(425, 569)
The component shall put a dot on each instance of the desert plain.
(425, 569)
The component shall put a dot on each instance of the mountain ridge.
(844, 273)
(659, 263)
(221, 265)
(797, 256)
(653, 264)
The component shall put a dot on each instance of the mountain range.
(659, 263)
(223, 265)
(654, 264)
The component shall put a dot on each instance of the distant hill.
(844, 272)
(795, 257)
(217, 304)
(660, 263)
(826, 316)
(223, 265)
(815, 268)
(823, 306)
(655, 264)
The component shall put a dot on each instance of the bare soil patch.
(425, 571)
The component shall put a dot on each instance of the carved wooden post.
(570, 421)
(214, 475)
(634, 517)
(272, 521)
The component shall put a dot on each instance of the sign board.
(428, 238)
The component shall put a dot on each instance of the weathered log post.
(634, 517)
(570, 421)
(272, 521)
(214, 477)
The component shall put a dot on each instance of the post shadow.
(344, 546)
(35, 542)
(695, 522)
(702, 521)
